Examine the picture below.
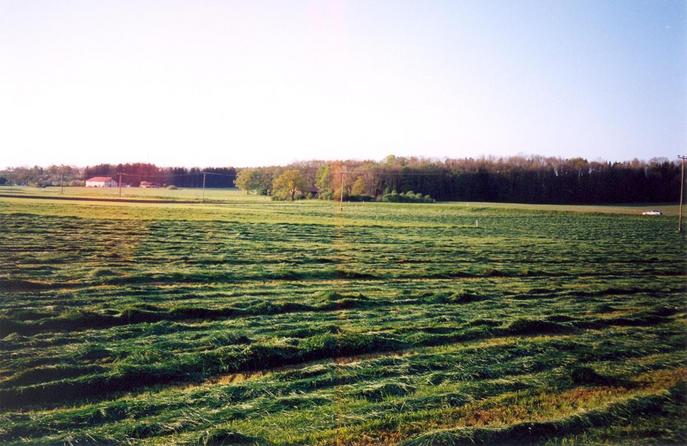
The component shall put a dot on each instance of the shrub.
(406, 197)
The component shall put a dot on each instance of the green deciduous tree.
(288, 184)
(244, 180)
(324, 180)
(359, 187)
(254, 180)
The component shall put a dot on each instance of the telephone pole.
(343, 173)
(203, 199)
(682, 190)
(62, 182)
(120, 185)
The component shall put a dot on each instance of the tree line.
(132, 174)
(533, 179)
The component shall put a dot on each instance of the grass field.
(180, 194)
(246, 321)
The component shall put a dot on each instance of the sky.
(248, 83)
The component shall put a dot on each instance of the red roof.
(104, 179)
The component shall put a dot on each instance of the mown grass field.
(245, 321)
(157, 193)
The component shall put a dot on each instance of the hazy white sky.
(269, 82)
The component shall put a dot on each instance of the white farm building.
(101, 182)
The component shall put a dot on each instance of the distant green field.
(161, 193)
(234, 195)
(246, 321)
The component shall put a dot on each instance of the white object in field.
(652, 212)
(477, 223)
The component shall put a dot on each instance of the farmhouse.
(101, 182)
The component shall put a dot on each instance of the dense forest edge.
(533, 179)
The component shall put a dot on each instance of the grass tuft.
(224, 437)
(536, 327)
(378, 392)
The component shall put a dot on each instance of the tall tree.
(244, 180)
(359, 187)
(324, 180)
(288, 184)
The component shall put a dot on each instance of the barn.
(101, 182)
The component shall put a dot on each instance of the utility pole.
(343, 173)
(203, 199)
(682, 190)
(62, 182)
(120, 185)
